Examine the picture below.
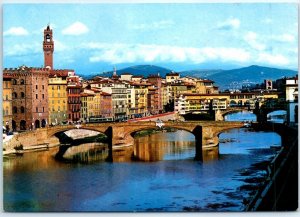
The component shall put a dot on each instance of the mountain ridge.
(223, 78)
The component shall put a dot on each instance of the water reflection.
(154, 147)
(177, 145)
(87, 153)
(277, 116)
(241, 116)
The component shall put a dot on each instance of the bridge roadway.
(120, 134)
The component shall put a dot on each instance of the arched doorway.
(22, 125)
(43, 123)
(37, 124)
(14, 125)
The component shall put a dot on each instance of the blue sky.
(94, 38)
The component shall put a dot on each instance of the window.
(22, 109)
(36, 96)
(43, 87)
(14, 81)
(22, 95)
(43, 109)
(36, 87)
(58, 87)
(36, 109)
(43, 96)
(14, 95)
(15, 110)
(6, 97)
(22, 81)
(58, 108)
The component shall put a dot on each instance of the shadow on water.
(83, 150)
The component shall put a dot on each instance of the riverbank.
(21, 150)
(279, 192)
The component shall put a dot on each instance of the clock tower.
(48, 47)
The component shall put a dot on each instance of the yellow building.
(7, 101)
(172, 77)
(140, 91)
(87, 106)
(191, 102)
(58, 99)
(165, 94)
(84, 107)
(96, 110)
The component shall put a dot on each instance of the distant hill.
(252, 74)
(225, 79)
(144, 70)
(200, 73)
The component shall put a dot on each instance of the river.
(162, 177)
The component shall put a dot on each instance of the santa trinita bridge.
(122, 134)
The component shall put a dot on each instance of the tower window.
(22, 81)
(48, 38)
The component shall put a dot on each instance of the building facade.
(292, 100)
(58, 99)
(74, 98)
(29, 97)
(7, 101)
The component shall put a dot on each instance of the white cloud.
(252, 39)
(284, 38)
(232, 23)
(59, 46)
(163, 24)
(274, 59)
(126, 53)
(22, 49)
(267, 21)
(76, 28)
(16, 31)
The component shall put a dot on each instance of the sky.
(93, 38)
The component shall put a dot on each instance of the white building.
(292, 100)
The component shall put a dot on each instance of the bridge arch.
(195, 130)
(60, 129)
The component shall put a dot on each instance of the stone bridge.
(120, 134)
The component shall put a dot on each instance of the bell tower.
(48, 47)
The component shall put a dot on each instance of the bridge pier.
(109, 134)
(198, 143)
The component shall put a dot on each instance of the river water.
(162, 177)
